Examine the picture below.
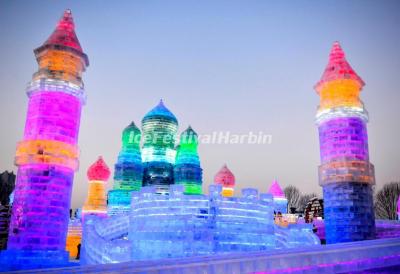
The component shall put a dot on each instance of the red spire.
(225, 177)
(98, 171)
(338, 68)
(64, 37)
(64, 34)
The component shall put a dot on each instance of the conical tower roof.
(64, 36)
(276, 190)
(132, 127)
(160, 111)
(189, 132)
(98, 170)
(338, 68)
(225, 177)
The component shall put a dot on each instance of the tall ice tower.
(47, 157)
(187, 170)
(345, 173)
(159, 127)
(128, 172)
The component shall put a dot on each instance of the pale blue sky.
(219, 65)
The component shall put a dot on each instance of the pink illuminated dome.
(338, 68)
(225, 177)
(276, 190)
(98, 171)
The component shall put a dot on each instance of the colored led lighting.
(345, 173)
(48, 155)
(280, 201)
(226, 179)
(74, 237)
(128, 173)
(47, 151)
(159, 127)
(96, 202)
(187, 170)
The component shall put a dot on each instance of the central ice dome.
(160, 111)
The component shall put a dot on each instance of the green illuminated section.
(187, 169)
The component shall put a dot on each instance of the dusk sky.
(237, 66)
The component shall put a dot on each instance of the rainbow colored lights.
(187, 170)
(128, 172)
(48, 155)
(226, 179)
(96, 202)
(345, 173)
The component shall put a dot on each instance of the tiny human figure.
(78, 255)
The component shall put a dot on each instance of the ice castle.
(156, 209)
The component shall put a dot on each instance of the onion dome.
(225, 177)
(338, 68)
(276, 190)
(160, 111)
(64, 37)
(98, 171)
(131, 135)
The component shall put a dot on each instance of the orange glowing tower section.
(226, 179)
(96, 202)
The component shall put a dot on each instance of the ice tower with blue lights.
(345, 173)
(128, 172)
(159, 128)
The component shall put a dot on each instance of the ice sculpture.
(187, 170)
(226, 179)
(48, 155)
(345, 173)
(96, 202)
(280, 201)
(128, 172)
(159, 127)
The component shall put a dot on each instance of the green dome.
(131, 135)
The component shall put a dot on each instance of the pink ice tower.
(47, 157)
(96, 202)
(280, 201)
(226, 179)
